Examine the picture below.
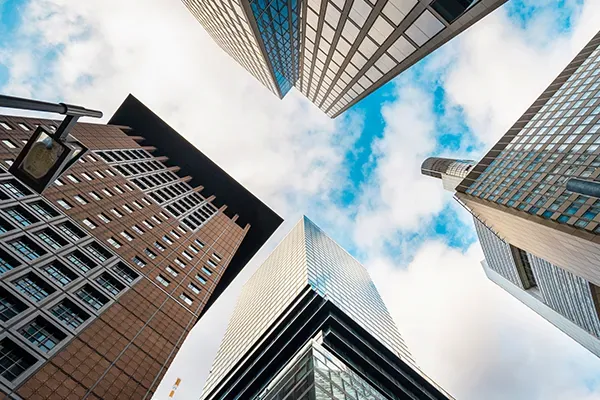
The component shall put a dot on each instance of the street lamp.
(47, 155)
(585, 187)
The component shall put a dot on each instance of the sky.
(357, 177)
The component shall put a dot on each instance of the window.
(127, 208)
(163, 280)
(450, 10)
(88, 222)
(92, 297)
(153, 218)
(107, 192)
(69, 314)
(71, 231)
(110, 172)
(217, 257)
(95, 196)
(194, 288)
(86, 175)
(206, 271)
(64, 204)
(199, 243)
(5, 126)
(128, 187)
(114, 242)
(73, 179)
(81, 261)
(91, 158)
(9, 305)
(59, 273)
(98, 251)
(42, 334)
(24, 127)
(194, 249)
(159, 246)
(118, 190)
(170, 270)
(187, 255)
(179, 262)
(165, 216)
(58, 182)
(51, 238)
(124, 272)
(116, 212)
(186, 299)
(15, 360)
(33, 287)
(44, 209)
(201, 279)
(176, 235)
(27, 248)
(109, 283)
(137, 204)
(9, 144)
(80, 199)
(99, 174)
(211, 263)
(137, 230)
(104, 218)
(7, 262)
(138, 261)
(150, 253)
(147, 224)
(15, 188)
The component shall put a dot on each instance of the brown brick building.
(103, 277)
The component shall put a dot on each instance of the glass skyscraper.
(518, 188)
(335, 52)
(310, 324)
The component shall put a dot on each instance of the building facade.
(103, 276)
(310, 324)
(518, 188)
(336, 52)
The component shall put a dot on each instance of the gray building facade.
(336, 52)
(310, 324)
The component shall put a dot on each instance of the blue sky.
(357, 177)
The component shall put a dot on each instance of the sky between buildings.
(357, 176)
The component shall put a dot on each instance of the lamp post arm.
(43, 106)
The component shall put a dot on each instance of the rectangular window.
(201, 279)
(199, 243)
(88, 222)
(7, 262)
(186, 299)
(137, 230)
(127, 235)
(179, 262)
(187, 255)
(118, 190)
(107, 192)
(42, 334)
(159, 246)
(9, 144)
(44, 209)
(194, 288)
(207, 271)
(24, 127)
(71, 231)
(109, 283)
(73, 178)
(110, 172)
(150, 253)
(125, 272)
(86, 175)
(95, 196)
(99, 174)
(15, 188)
(80, 199)
(5, 226)
(163, 280)
(98, 251)
(138, 261)
(137, 204)
(104, 218)
(176, 235)
(153, 218)
(171, 271)
(116, 212)
(167, 239)
(33, 287)
(211, 263)
(51, 238)
(81, 261)
(15, 360)
(114, 242)
(217, 257)
(92, 297)
(59, 273)
(27, 248)
(5, 126)
(64, 204)
(10, 306)
(127, 208)
(147, 224)
(69, 314)
(194, 249)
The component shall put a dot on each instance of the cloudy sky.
(356, 176)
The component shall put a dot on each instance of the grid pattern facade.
(518, 188)
(83, 262)
(226, 21)
(316, 373)
(349, 48)
(305, 258)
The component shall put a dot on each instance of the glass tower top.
(307, 259)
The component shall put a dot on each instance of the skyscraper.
(335, 52)
(310, 324)
(518, 188)
(103, 276)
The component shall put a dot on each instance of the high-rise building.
(450, 171)
(103, 276)
(310, 324)
(518, 188)
(336, 52)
